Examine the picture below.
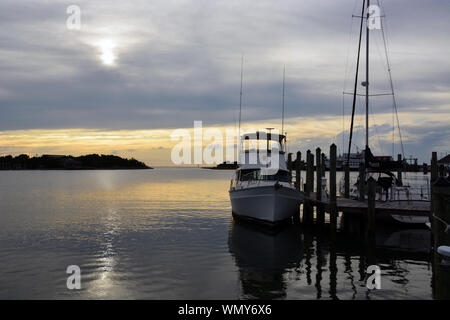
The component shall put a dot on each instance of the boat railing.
(254, 178)
(409, 191)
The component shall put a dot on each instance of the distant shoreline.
(77, 169)
(63, 162)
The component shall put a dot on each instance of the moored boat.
(260, 191)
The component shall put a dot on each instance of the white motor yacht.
(257, 193)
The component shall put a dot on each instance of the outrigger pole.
(240, 97)
(282, 111)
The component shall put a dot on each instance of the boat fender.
(444, 251)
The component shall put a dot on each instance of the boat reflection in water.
(264, 257)
(312, 263)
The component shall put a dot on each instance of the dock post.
(441, 211)
(433, 178)
(307, 208)
(371, 211)
(425, 168)
(320, 214)
(361, 186)
(309, 173)
(290, 163)
(434, 168)
(333, 203)
(347, 181)
(318, 175)
(297, 170)
(399, 172)
(371, 204)
(441, 236)
(297, 184)
(324, 168)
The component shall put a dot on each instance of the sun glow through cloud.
(107, 55)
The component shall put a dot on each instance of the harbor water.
(168, 233)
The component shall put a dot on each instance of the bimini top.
(261, 135)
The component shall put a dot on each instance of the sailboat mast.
(355, 90)
(367, 75)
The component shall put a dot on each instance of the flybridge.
(262, 135)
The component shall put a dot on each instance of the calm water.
(168, 234)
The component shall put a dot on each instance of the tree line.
(91, 161)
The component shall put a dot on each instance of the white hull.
(266, 203)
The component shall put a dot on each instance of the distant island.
(224, 166)
(62, 162)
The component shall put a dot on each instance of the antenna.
(240, 98)
(282, 111)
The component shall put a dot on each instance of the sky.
(138, 70)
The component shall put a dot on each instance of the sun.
(107, 54)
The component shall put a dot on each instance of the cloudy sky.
(137, 70)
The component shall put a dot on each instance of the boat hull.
(266, 204)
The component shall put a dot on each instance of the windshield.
(255, 174)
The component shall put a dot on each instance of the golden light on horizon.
(153, 146)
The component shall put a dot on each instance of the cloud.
(179, 61)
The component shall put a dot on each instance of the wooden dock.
(409, 211)
(414, 208)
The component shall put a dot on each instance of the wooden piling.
(297, 183)
(434, 176)
(318, 175)
(399, 171)
(441, 236)
(309, 173)
(309, 187)
(434, 168)
(425, 168)
(371, 205)
(361, 186)
(290, 163)
(320, 213)
(333, 195)
(323, 166)
(370, 222)
(441, 210)
(347, 182)
(297, 170)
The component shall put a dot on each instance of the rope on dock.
(447, 226)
